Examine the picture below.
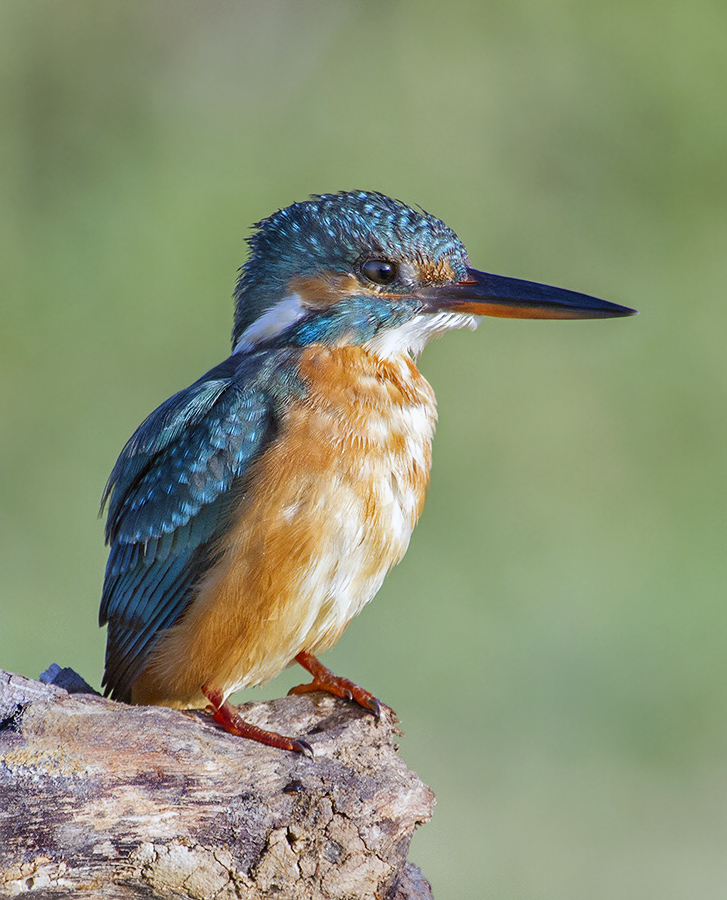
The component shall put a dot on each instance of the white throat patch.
(413, 336)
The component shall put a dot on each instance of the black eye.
(380, 271)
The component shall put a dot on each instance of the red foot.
(325, 680)
(226, 716)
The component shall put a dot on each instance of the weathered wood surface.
(99, 799)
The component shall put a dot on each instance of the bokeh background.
(554, 641)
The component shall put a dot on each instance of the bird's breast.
(363, 437)
(332, 503)
(323, 515)
(335, 499)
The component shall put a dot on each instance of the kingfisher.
(253, 514)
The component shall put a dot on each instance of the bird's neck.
(363, 381)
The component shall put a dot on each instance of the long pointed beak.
(483, 294)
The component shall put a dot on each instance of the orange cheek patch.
(320, 291)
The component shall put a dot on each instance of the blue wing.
(169, 498)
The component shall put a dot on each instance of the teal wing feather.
(170, 496)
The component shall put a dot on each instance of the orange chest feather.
(363, 436)
(332, 503)
(351, 465)
(364, 415)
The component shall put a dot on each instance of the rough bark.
(99, 799)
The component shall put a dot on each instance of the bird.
(255, 513)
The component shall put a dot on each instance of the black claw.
(375, 708)
(301, 746)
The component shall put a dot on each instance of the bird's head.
(360, 268)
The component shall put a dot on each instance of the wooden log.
(103, 800)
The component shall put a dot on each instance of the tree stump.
(100, 799)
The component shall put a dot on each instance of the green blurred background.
(554, 641)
